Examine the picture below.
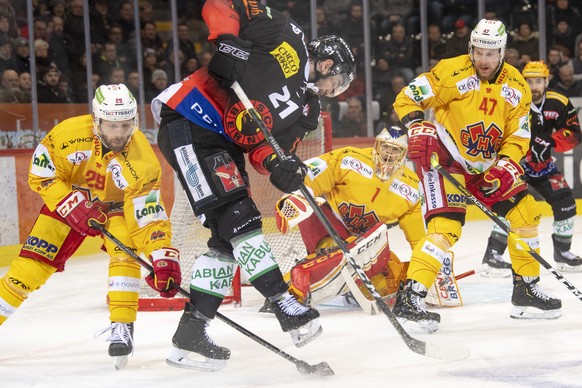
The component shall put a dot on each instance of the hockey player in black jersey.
(204, 134)
(555, 125)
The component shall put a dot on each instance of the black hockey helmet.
(335, 48)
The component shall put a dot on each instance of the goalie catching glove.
(166, 276)
(78, 211)
(505, 180)
(292, 209)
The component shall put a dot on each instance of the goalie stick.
(443, 352)
(322, 369)
(434, 161)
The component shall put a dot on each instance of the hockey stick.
(434, 161)
(416, 345)
(322, 369)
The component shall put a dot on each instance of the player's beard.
(115, 143)
(536, 96)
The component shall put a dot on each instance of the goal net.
(190, 237)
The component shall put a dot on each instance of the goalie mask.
(389, 151)
(335, 48)
(114, 116)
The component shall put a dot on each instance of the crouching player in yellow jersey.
(361, 191)
(480, 133)
(97, 167)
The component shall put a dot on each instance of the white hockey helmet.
(389, 151)
(489, 34)
(113, 103)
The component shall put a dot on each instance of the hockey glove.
(422, 142)
(565, 139)
(541, 147)
(228, 63)
(286, 175)
(505, 179)
(166, 275)
(77, 210)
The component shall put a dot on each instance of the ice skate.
(193, 348)
(493, 265)
(266, 309)
(530, 302)
(300, 321)
(410, 309)
(565, 260)
(121, 342)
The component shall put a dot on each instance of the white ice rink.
(49, 341)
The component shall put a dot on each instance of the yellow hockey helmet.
(536, 69)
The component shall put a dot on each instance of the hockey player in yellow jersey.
(360, 190)
(480, 132)
(97, 167)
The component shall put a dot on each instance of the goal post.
(190, 237)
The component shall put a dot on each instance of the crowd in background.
(59, 46)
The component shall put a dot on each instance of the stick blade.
(438, 351)
(321, 369)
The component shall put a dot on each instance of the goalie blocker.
(318, 277)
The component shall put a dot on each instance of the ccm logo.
(70, 203)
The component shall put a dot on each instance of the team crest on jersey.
(287, 58)
(480, 141)
(355, 217)
(242, 129)
(226, 174)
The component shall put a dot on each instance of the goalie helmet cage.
(190, 237)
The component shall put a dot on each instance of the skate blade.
(182, 359)
(490, 272)
(420, 327)
(120, 362)
(520, 312)
(568, 268)
(306, 333)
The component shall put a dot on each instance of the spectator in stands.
(125, 51)
(185, 44)
(21, 57)
(337, 10)
(577, 64)
(324, 26)
(563, 34)
(10, 92)
(436, 42)
(159, 82)
(64, 87)
(150, 39)
(389, 13)
(555, 61)
(513, 58)
(397, 83)
(191, 65)
(455, 10)
(25, 85)
(566, 84)
(526, 42)
(168, 66)
(398, 50)
(41, 50)
(100, 21)
(75, 26)
(353, 122)
(354, 31)
(7, 29)
(107, 60)
(40, 29)
(146, 11)
(58, 8)
(132, 83)
(150, 64)
(60, 45)
(125, 19)
(204, 57)
(563, 10)
(382, 76)
(6, 56)
(458, 43)
(47, 86)
(116, 76)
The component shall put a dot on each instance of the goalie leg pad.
(445, 290)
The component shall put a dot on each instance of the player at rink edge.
(97, 167)
(204, 134)
(361, 191)
(480, 132)
(555, 125)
